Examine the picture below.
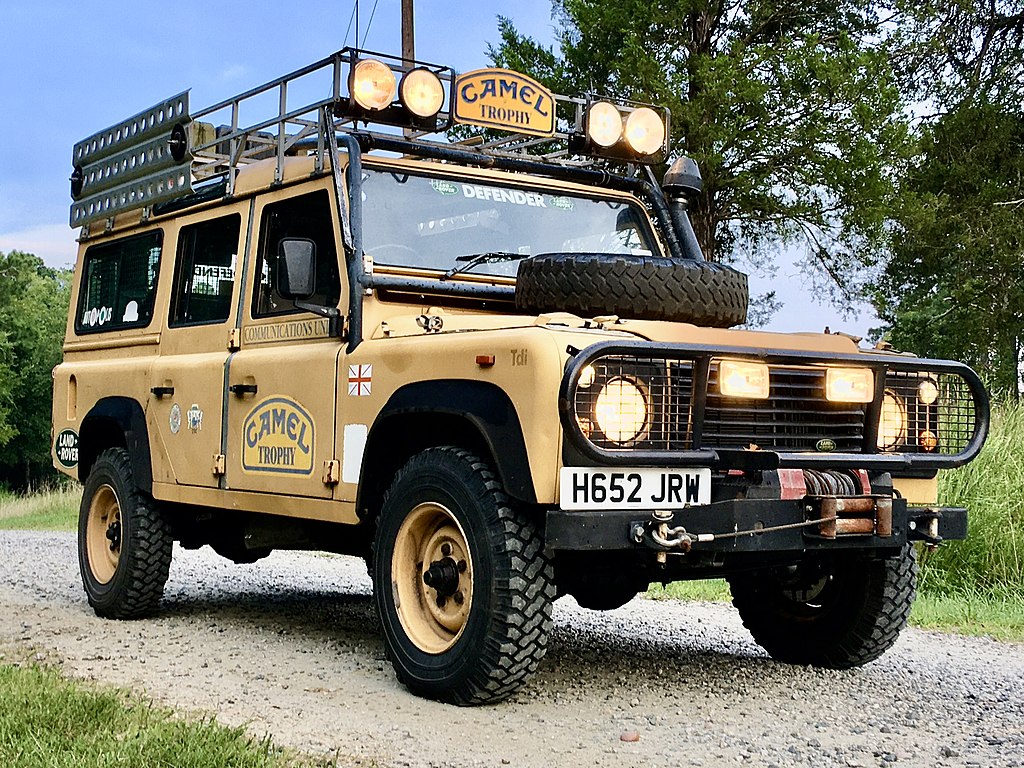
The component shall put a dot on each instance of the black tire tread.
(524, 587)
(146, 553)
(872, 619)
(638, 287)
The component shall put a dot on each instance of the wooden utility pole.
(408, 36)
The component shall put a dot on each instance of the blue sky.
(69, 69)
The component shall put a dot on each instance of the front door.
(281, 382)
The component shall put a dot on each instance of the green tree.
(33, 313)
(954, 286)
(790, 109)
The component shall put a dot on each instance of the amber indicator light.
(485, 361)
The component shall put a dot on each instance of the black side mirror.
(296, 268)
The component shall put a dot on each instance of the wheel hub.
(104, 534)
(432, 577)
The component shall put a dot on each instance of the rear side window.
(119, 284)
(204, 276)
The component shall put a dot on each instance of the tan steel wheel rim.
(431, 543)
(103, 534)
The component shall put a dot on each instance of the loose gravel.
(290, 647)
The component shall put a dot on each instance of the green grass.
(53, 510)
(50, 722)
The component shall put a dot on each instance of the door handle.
(162, 391)
(242, 389)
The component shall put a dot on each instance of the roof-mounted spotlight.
(604, 124)
(635, 133)
(645, 131)
(422, 92)
(372, 84)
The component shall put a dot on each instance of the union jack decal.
(360, 380)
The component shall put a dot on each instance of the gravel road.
(290, 647)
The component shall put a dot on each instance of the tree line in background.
(883, 140)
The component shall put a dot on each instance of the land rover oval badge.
(825, 445)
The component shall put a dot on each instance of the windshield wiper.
(476, 259)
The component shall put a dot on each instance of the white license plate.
(638, 488)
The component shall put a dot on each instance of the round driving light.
(892, 425)
(928, 391)
(620, 411)
(421, 92)
(604, 124)
(645, 132)
(373, 84)
(928, 440)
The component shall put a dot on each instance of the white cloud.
(53, 243)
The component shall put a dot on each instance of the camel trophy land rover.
(499, 369)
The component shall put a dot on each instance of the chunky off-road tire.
(639, 287)
(838, 615)
(124, 542)
(462, 586)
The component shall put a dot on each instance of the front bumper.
(749, 525)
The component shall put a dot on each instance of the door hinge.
(219, 464)
(332, 472)
(235, 339)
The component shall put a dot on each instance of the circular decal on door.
(175, 418)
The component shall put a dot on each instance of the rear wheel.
(124, 543)
(461, 582)
(836, 613)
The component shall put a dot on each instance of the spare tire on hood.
(639, 287)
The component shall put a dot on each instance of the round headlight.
(645, 132)
(373, 84)
(604, 124)
(620, 411)
(422, 92)
(892, 425)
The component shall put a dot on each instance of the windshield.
(416, 221)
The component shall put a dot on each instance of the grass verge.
(53, 510)
(47, 721)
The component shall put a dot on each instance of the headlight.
(892, 426)
(422, 92)
(372, 84)
(620, 411)
(850, 385)
(742, 379)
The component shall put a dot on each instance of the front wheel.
(462, 586)
(837, 613)
(124, 542)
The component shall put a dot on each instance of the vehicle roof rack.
(162, 153)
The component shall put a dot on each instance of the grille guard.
(746, 459)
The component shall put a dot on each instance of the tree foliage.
(33, 313)
(790, 109)
(954, 286)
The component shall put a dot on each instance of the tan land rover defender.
(498, 369)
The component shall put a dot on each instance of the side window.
(204, 275)
(119, 284)
(307, 216)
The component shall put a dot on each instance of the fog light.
(372, 84)
(892, 425)
(604, 124)
(422, 92)
(742, 379)
(850, 385)
(645, 132)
